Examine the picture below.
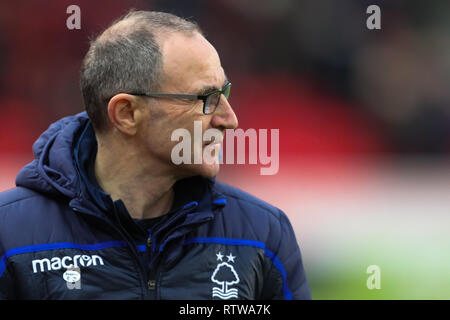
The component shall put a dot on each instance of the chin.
(203, 170)
(210, 171)
(207, 170)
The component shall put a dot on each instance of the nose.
(224, 116)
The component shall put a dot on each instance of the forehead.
(190, 62)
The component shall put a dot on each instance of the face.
(191, 65)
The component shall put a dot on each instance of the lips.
(213, 142)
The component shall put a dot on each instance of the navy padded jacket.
(58, 241)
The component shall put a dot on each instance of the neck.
(143, 186)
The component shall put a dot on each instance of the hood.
(54, 171)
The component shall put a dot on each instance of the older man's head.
(153, 52)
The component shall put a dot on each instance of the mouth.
(219, 142)
(213, 143)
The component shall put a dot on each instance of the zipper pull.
(151, 284)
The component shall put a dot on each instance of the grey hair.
(126, 57)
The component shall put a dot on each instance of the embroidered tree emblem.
(225, 276)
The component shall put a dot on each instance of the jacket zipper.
(154, 274)
(151, 279)
(123, 235)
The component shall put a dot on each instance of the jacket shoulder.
(14, 195)
(27, 218)
(247, 201)
(248, 217)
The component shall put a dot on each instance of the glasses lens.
(211, 103)
(213, 100)
(227, 90)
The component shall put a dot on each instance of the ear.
(125, 113)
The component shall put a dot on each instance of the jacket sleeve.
(6, 282)
(287, 278)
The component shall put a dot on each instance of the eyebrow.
(206, 89)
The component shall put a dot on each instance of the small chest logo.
(73, 278)
(72, 275)
(225, 275)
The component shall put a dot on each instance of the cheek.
(183, 126)
(156, 138)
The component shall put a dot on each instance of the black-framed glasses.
(210, 100)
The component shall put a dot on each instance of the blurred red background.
(363, 114)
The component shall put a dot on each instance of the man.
(104, 213)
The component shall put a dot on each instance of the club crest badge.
(225, 276)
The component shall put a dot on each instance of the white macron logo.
(57, 263)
